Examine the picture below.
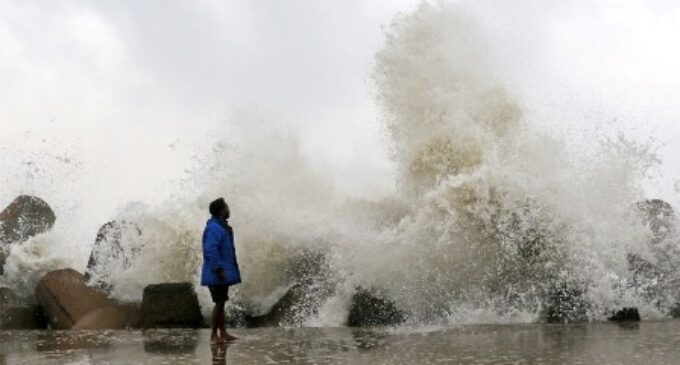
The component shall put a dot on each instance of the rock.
(171, 305)
(674, 311)
(103, 318)
(313, 283)
(285, 312)
(8, 297)
(25, 217)
(630, 314)
(66, 298)
(22, 318)
(370, 309)
(565, 304)
(132, 312)
(117, 244)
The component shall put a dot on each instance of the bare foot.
(229, 338)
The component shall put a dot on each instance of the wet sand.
(595, 343)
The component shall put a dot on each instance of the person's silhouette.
(220, 267)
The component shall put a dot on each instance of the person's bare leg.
(220, 323)
(215, 324)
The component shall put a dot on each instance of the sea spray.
(280, 206)
(500, 211)
(493, 215)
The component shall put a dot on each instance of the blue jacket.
(219, 252)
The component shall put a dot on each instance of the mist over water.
(488, 211)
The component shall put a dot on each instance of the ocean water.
(653, 342)
(492, 212)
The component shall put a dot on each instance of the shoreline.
(598, 342)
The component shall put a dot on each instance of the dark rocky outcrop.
(674, 311)
(286, 311)
(17, 317)
(313, 283)
(25, 217)
(369, 308)
(171, 305)
(66, 298)
(117, 244)
(630, 314)
(22, 219)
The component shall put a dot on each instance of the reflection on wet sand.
(170, 342)
(601, 343)
(75, 340)
(367, 340)
(219, 353)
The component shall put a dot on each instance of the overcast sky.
(122, 83)
(126, 89)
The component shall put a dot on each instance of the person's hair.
(216, 206)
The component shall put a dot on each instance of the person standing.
(220, 267)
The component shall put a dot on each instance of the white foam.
(477, 177)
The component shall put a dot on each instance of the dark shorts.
(219, 293)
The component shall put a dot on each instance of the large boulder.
(103, 318)
(369, 308)
(25, 217)
(16, 317)
(629, 314)
(288, 310)
(312, 283)
(171, 305)
(66, 298)
(117, 244)
(132, 312)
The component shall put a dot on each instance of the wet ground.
(595, 343)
